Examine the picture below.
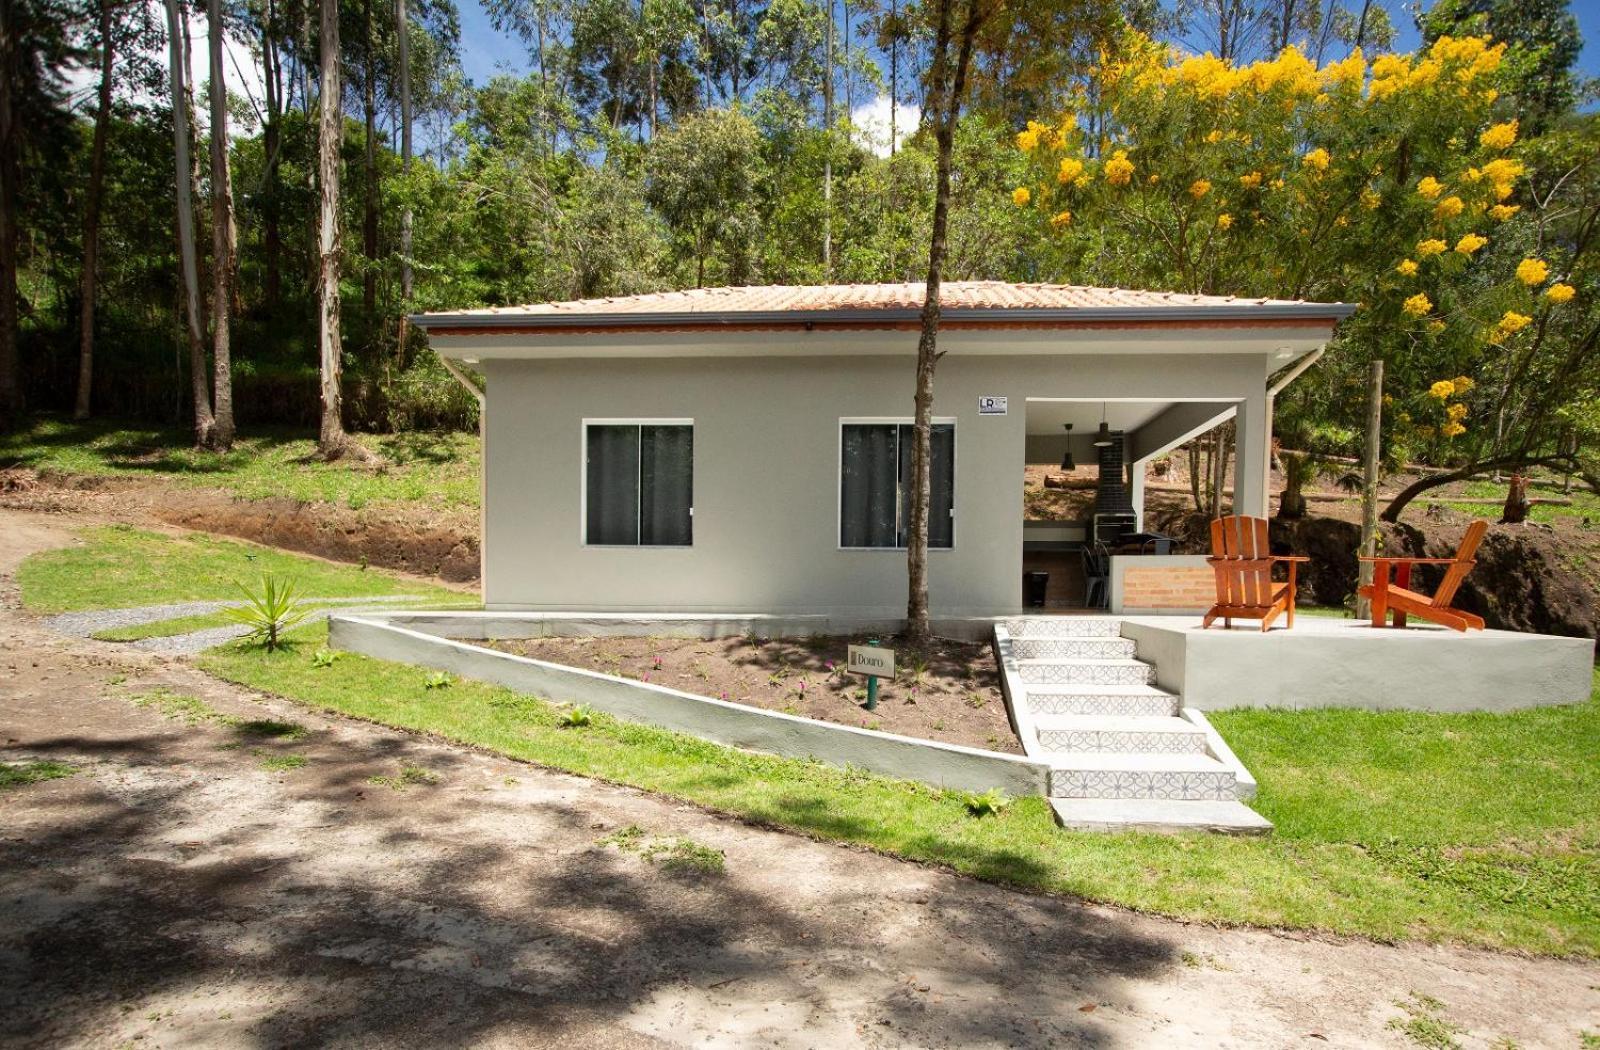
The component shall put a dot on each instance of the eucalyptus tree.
(223, 251)
(183, 179)
(331, 440)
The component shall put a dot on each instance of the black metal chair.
(1096, 576)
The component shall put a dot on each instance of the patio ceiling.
(1046, 417)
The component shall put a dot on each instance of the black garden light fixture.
(1067, 462)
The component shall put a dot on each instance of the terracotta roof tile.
(955, 295)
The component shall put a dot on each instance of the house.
(746, 450)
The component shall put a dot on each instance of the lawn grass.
(206, 621)
(435, 469)
(20, 774)
(1483, 829)
(1480, 828)
(118, 566)
(1585, 504)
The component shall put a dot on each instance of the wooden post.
(1369, 484)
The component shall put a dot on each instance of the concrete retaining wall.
(1346, 663)
(513, 623)
(408, 638)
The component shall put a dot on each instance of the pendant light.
(1067, 462)
(1102, 437)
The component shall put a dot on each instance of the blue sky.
(485, 51)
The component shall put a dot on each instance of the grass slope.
(118, 566)
(434, 469)
(1481, 829)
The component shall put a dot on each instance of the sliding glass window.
(875, 485)
(639, 484)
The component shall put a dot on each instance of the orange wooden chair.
(1243, 563)
(1398, 599)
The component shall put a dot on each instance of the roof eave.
(1331, 312)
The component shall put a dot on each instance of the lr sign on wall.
(870, 660)
(991, 405)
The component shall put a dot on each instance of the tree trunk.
(331, 439)
(91, 218)
(222, 240)
(827, 145)
(271, 144)
(369, 172)
(10, 174)
(183, 173)
(1515, 511)
(1371, 457)
(1396, 506)
(945, 93)
(403, 40)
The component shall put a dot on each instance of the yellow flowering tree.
(1389, 184)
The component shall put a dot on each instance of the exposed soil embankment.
(410, 538)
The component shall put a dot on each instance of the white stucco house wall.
(739, 449)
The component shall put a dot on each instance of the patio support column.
(1252, 440)
(1136, 489)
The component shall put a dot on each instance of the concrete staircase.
(1124, 753)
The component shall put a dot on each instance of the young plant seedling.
(438, 680)
(269, 612)
(576, 718)
(989, 803)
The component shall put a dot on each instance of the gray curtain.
(875, 475)
(666, 485)
(941, 484)
(613, 485)
(869, 485)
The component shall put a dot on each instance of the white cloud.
(871, 123)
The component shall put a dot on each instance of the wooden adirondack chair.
(1396, 598)
(1243, 563)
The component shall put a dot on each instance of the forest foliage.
(1272, 150)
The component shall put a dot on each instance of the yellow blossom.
(1560, 293)
(1431, 246)
(1224, 221)
(1511, 323)
(1502, 212)
(1028, 141)
(1119, 169)
(1470, 243)
(1442, 389)
(1435, 327)
(1318, 159)
(1370, 199)
(1430, 187)
(1199, 188)
(1503, 169)
(1061, 219)
(1021, 196)
(1449, 208)
(1153, 179)
(1250, 181)
(1456, 412)
(1070, 169)
(1214, 137)
(1417, 305)
(1533, 272)
(1501, 136)
(1452, 429)
(1463, 384)
(1407, 268)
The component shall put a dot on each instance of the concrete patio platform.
(1325, 662)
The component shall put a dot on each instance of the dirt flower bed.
(950, 694)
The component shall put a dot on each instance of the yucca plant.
(269, 612)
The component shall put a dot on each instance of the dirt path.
(173, 892)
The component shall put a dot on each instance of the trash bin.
(1034, 586)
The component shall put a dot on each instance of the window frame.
(838, 478)
(638, 481)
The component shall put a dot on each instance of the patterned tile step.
(1141, 700)
(1085, 672)
(1141, 776)
(1158, 815)
(1064, 626)
(1073, 648)
(1063, 734)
